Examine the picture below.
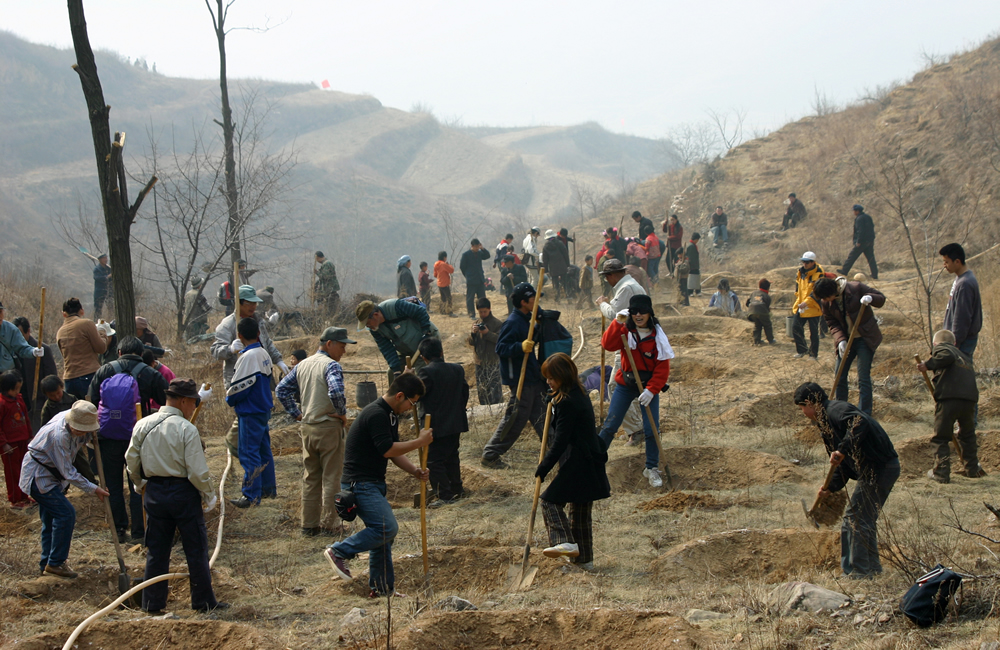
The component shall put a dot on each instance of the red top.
(675, 235)
(645, 357)
(600, 254)
(15, 426)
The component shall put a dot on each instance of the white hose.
(168, 576)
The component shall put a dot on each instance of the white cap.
(550, 234)
(808, 256)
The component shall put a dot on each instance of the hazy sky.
(634, 67)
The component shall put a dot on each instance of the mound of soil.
(885, 410)
(989, 451)
(479, 485)
(147, 633)
(95, 585)
(684, 340)
(916, 455)
(704, 325)
(773, 555)
(688, 369)
(600, 629)
(809, 435)
(705, 468)
(771, 410)
(681, 501)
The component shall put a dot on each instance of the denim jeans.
(859, 530)
(860, 351)
(376, 537)
(718, 231)
(113, 459)
(79, 386)
(621, 400)
(58, 520)
(653, 268)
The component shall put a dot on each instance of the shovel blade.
(809, 514)
(124, 583)
(520, 576)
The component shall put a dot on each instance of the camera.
(481, 327)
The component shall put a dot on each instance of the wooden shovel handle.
(826, 484)
(850, 340)
(423, 500)
(38, 360)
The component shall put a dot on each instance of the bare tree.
(822, 104)
(692, 143)
(729, 125)
(118, 214)
(589, 201)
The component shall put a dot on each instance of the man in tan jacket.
(318, 381)
(81, 343)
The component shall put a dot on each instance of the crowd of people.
(138, 417)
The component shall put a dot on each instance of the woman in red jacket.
(675, 240)
(652, 353)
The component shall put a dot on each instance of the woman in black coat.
(581, 455)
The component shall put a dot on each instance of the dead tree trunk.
(118, 215)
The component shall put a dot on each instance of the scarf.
(663, 349)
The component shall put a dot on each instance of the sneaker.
(653, 474)
(938, 477)
(122, 536)
(816, 358)
(60, 570)
(493, 463)
(799, 355)
(772, 342)
(339, 565)
(243, 502)
(562, 550)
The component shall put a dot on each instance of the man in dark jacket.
(152, 386)
(864, 242)
(955, 397)
(645, 225)
(840, 301)
(511, 275)
(694, 265)
(795, 213)
(615, 242)
(964, 313)
(446, 394)
(719, 227)
(859, 449)
(483, 340)
(512, 346)
(397, 326)
(759, 312)
(555, 259)
(471, 265)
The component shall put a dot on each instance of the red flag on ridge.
(325, 84)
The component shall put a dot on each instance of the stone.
(489, 604)
(804, 596)
(353, 617)
(454, 604)
(989, 645)
(703, 616)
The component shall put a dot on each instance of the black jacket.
(573, 440)
(954, 374)
(759, 304)
(555, 258)
(405, 286)
(645, 228)
(152, 384)
(471, 264)
(619, 246)
(445, 398)
(693, 258)
(864, 229)
(865, 444)
(510, 278)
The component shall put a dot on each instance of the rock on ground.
(804, 596)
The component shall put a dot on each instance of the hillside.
(367, 176)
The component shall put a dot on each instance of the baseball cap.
(364, 311)
(337, 334)
(808, 256)
(521, 292)
(249, 294)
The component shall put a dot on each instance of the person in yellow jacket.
(806, 308)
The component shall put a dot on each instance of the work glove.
(168, 351)
(622, 316)
(104, 328)
(540, 472)
(273, 318)
(38, 352)
(842, 348)
(802, 308)
(866, 300)
(284, 367)
(209, 506)
(527, 346)
(205, 392)
(236, 346)
(646, 397)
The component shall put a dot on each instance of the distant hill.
(370, 182)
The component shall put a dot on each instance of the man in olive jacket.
(955, 399)
(841, 301)
(864, 242)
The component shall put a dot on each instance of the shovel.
(649, 414)
(38, 360)
(850, 341)
(520, 576)
(604, 387)
(810, 512)
(930, 389)
(124, 582)
(524, 363)
(423, 511)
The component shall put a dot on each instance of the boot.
(973, 469)
(941, 472)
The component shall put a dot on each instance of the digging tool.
(520, 576)
(197, 409)
(930, 389)
(604, 387)
(423, 507)
(142, 492)
(38, 360)
(850, 341)
(524, 363)
(649, 413)
(810, 511)
(124, 582)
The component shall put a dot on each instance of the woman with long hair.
(581, 478)
(652, 354)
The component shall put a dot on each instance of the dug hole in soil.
(149, 633)
(400, 487)
(704, 468)
(600, 629)
(771, 555)
(916, 455)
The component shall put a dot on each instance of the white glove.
(210, 506)
(273, 318)
(38, 352)
(866, 300)
(104, 328)
(284, 367)
(802, 307)
(646, 397)
(167, 351)
(842, 348)
(204, 393)
(622, 316)
(236, 346)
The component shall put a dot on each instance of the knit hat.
(197, 282)
(402, 261)
(640, 304)
(82, 416)
(764, 284)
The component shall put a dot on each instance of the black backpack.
(551, 335)
(926, 602)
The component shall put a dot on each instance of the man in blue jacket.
(512, 345)
(250, 394)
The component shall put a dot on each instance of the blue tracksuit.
(250, 394)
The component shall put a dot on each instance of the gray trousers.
(859, 531)
(531, 408)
